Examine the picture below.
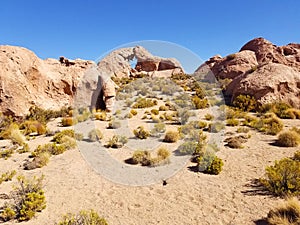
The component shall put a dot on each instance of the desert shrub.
(6, 153)
(155, 112)
(114, 124)
(83, 218)
(25, 148)
(133, 112)
(185, 129)
(141, 157)
(200, 103)
(283, 178)
(51, 148)
(8, 214)
(43, 116)
(216, 127)
(84, 114)
(95, 135)
(279, 108)
(163, 153)
(68, 132)
(287, 213)
(199, 124)
(171, 136)
(117, 141)
(292, 113)
(32, 126)
(28, 199)
(144, 103)
(13, 133)
(100, 116)
(245, 103)
(155, 119)
(68, 121)
(188, 148)
(7, 176)
(268, 123)
(68, 142)
(232, 113)
(243, 130)
(209, 117)
(209, 163)
(158, 129)
(141, 133)
(232, 122)
(163, 108)
(288, 139)
(38, 161)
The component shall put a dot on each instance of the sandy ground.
(189, 198)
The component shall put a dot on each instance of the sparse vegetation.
(171, 136)
(287, 213)
(144, 103)
(232, 122)
(83, 218)
(141, 133)
(209, 117)
(245, 103)
(288, 139)
(95, 135)
(117, 141)
(7, 176)
(28, 199)
(216, 127)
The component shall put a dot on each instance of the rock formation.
(268, 72)
(117, 63)
(26, 80)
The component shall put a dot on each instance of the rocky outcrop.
(118, 63)
(26, 80)
(268, 72)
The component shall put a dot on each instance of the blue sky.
(88, 29)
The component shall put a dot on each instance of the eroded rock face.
(26, 80)
(118, 62)
(268, 72)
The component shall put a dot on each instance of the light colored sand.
(188, 198)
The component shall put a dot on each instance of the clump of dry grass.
(288, 213)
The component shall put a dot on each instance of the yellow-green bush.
(68, 121)
(95, 135)
(232, 122)
(171, 136)
(6, 153)
(268, 123)
(287, 213)
(133, 112)
(141, 157)
(200, 103)
(117, 141)
(7, 176)
(83, 218)
(12, 132)
(283, 178)
(28, 199)
(245, 103)
(100, 116)
(40, 160)
(141, 133)
(209, 117)
(144, 103)
(51, 148)
(163, 153)
(188, 148)
(209, 163)
(216, 127)
(154, 112)
(163, 108)
(31, 126)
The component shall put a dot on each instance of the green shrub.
(243, 130)
(245, 103)
(287, 213)
(32, 126)
(232, 122)
(133, 112)
(141, 157)
(68, 121)
(209, 117)
(216, 127)
(68, 132)
(283, 178)
(95, 135)
(28, 199)
(6, 153)
(288, 139)
(281, 109)
(117, 141)
(144, 103)
(51, 148)
(188, 148)
(155, 112)
(43, 116)
(7, 176)
(209, 163)
(269, 124)
(171, 136)
(141, 133)
(158, 129)
(100, 116)
(200, 103)
(83, 218)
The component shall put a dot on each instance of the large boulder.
(268, 72)
(26, 80)
(271, 82)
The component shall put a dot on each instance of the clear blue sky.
(88, 29)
